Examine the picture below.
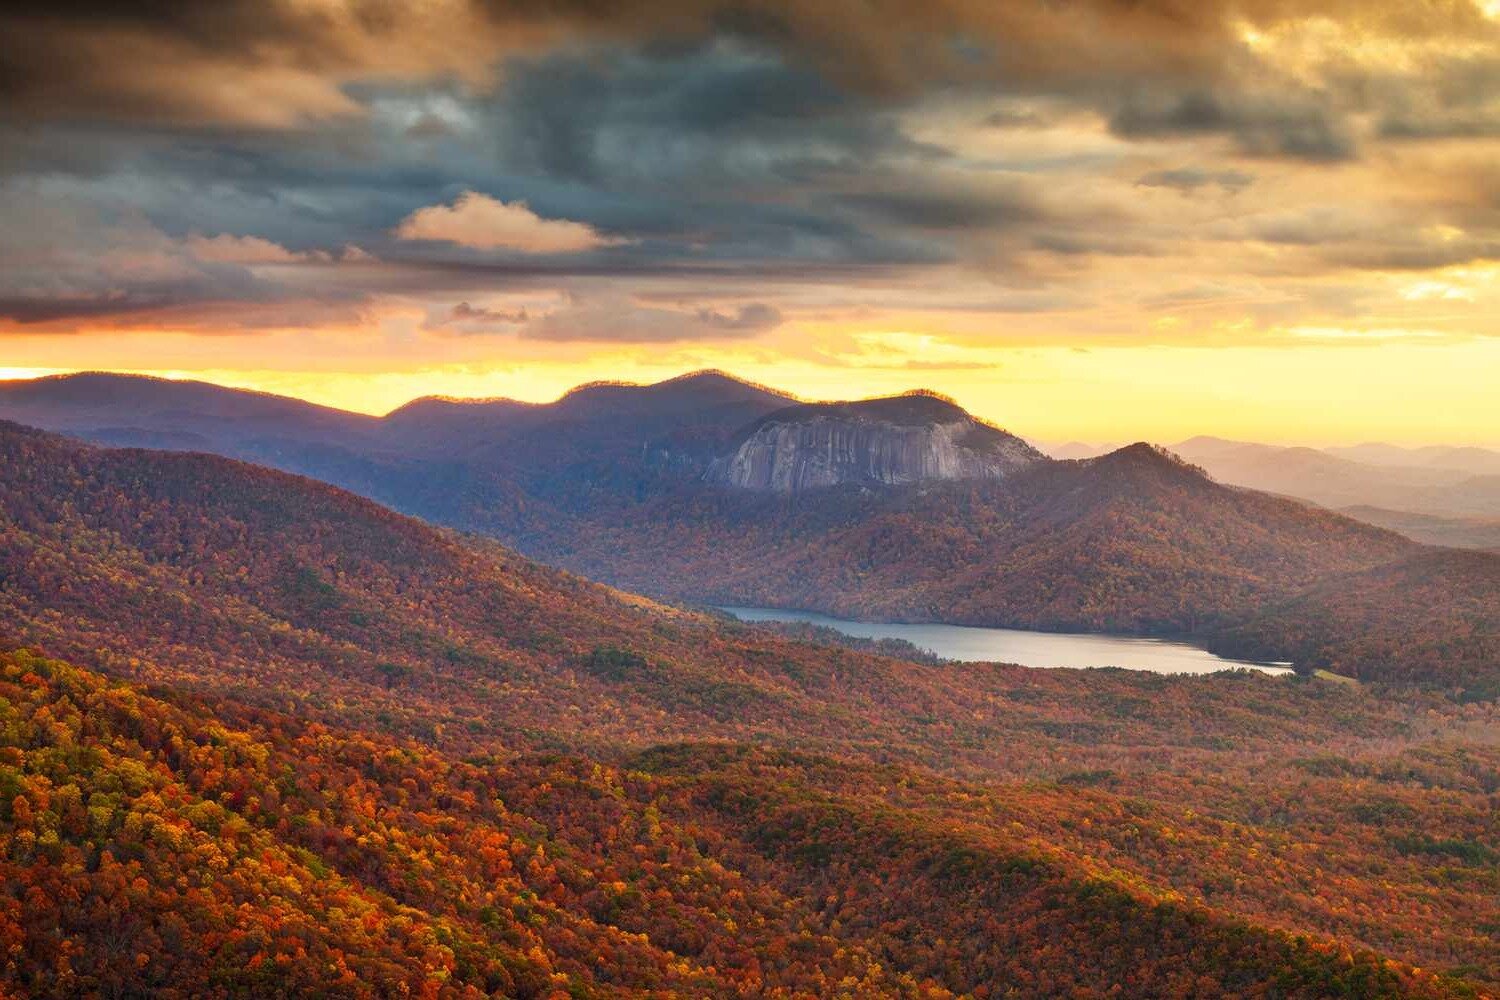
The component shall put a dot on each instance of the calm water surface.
(1030, 649)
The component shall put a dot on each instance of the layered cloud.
(615, 319)
(250, 62)
(695, 170)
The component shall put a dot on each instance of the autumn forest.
(750, 500)
(264, 736)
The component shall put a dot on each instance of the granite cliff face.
(891, 442)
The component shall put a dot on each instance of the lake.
(1029, 649)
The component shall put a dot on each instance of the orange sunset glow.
(1087, 221)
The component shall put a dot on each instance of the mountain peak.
(1145, 457)
(717, 379)
(693, 390)
(95, 387)
(440, 404)
(91, 399)
(1145, 451)
(917, 408)
(891, 440)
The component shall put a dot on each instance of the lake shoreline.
(1037, 648)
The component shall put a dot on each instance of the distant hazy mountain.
(492, 465)
(1334, 481)
(1454, 532)
(1476, 461)
(599, 415)
(93, 403)
(1074, 450)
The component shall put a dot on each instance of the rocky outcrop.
(890, 442)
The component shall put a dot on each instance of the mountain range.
(708, 490)
(1456, 490)
(1440, 495)
(307, 744)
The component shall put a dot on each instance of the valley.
(423, 756)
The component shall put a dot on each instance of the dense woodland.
(151, 843)
(307, 743)
(1430, 616)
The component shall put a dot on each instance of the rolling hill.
(151, 845)
(313, 744)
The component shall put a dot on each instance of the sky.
(1098, 220)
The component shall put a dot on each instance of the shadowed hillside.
(1132, 541)
(1430, 617)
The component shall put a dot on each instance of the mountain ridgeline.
(706, 489)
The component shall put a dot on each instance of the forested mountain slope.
(425, 761)
(1132, 541)
(149, 845)
(1432, 616)
(194, 569)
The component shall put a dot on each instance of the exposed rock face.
(905, 439)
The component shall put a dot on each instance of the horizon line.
(10, 376)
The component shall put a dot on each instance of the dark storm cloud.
(1083, 240)
(106, 60)
(706, 116)
(147, 60)
(61, 258)
(1474, 124)
(1300, 127)
(721, 140)
(1449, 98)
(702, 153)
(948, 210)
